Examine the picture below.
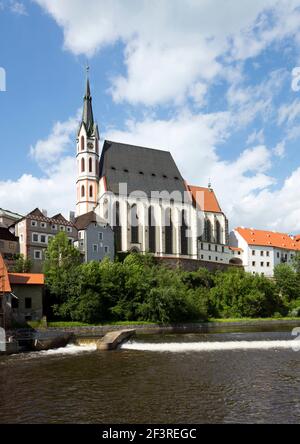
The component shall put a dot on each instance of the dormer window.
(164, 176)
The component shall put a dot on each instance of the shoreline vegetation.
(135, 290)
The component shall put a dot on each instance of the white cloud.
(256, 136)
(47, 151)
(279, 150)
(172, 46)
(55, 189)
(17, 7)
(288, 113)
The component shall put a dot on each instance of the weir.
(113, 339)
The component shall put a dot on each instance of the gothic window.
(82, 165)
(117, 226)
(90, 165)
(218, 232)
(168, 232)
(184, 238)
(91, 191)
(134, 224)
(207, 230)
(82, 191)
(82, 143)
(152, 230)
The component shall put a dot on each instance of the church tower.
(87, 183)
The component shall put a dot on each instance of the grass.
(62, 324)
(227, 320)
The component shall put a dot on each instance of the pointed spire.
(87, 115)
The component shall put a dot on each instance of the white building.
(140, 192)
(262, 250)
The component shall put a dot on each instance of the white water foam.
(181, 347)
(70, 349)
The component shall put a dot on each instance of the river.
(249, 377)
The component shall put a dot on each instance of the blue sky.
(209, 82)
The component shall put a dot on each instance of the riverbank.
(78, 330)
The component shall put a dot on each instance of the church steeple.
(87, 115)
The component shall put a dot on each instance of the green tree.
(22, 265)
(61, 267)
(287, 282)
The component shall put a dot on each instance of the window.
(253, 252)
(100, 236)
(82, 165)
(15, 303)
(43, 225)
(34, 223)
(278, 255)
(268, 264)
(82, 191)
(209, 258)
(28, 303)
(268, 254)
(35, 237)
(54, 227)
(216, 259)
(202, 257)
(90, 165)
(261, 264)
(223, 249)
(209, 247)
(91, 191)
(106, 249)
(21, 238)
(253, 264)
(82, 143)
(43, 239)
(201, 246)
(69, 229)
(38, 255)
(95, 248)
(62, 228)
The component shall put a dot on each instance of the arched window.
(207, 230)
(82, 191)
(218, 232)
(134, 224)
(117, 226)
(82, 165)
(90, 165)
(152, 230)
(82, 143)
(91, 191)
(183, 232)
(168, 232)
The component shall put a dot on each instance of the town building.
(8, 218)
(9, 246)
(95, 237)
(142, 195)
(35, 230)
(260, 251)
(21, 297)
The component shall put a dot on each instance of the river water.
(197, 378)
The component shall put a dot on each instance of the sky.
(215, 82)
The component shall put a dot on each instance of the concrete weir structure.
(113, 339)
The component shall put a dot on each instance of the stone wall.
(192, 264)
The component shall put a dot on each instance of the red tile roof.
(26, 279)
(205, 198)
(4, 280)
(268, 239)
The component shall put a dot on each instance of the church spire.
(87, 115)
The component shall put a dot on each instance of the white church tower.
(87, 183)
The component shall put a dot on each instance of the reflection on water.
(229, 377)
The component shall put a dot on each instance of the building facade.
(142, 195)
(95, 238)
(262, 250)
(9, 246)
(35, 231)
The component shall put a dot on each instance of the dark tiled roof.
(39, 216)
(143, 169)
(83, 221)
(5, 234)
